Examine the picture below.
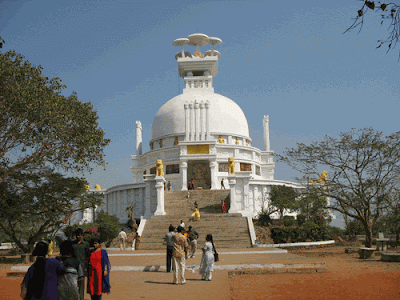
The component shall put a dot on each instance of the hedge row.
(310, 231)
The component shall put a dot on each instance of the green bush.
(108, 227)
(315, 232)
(282, 235)
(301, 219)
(276, 223)
(336, 231)
(354, 227)
(279, 235)
(289, 221)
(263, 219)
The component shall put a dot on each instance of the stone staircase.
(228, 230)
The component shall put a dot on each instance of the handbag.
(216, 257)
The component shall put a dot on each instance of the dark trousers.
(81, 286)
(96, 297)
(169, 258)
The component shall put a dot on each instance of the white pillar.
(187, 122)
(207, 105)
(197, 120)
(202, 122)
(266, 133)
(192, 119)
(160, 181)
(147, 201)
(139, 139)
(140, 202)
(183, 170)
(232, 185)
(214, 175)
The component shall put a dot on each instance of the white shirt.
(122, 235)
(182, 225)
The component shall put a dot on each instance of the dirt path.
(349, 278)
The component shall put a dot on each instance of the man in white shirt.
(122, 239)
(182, 224)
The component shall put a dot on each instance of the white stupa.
(195, 132)
(194, 135)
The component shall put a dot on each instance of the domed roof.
(225, 116)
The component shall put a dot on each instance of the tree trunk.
(368, 233)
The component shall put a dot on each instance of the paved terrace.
(141, 274)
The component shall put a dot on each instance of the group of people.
(168, 186)
(122, 237)
(63, 277)
(181, 245)
(191, 184)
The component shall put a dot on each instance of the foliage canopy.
(364, 172)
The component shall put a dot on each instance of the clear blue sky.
(288, 59)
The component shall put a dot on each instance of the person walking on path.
(68, 283)
(137, 241)
(122, 239)
(222, 184)
(179, 256)
(99, 268)
(193, 236)
(81, 250)
(207, 260)
(223, 207)
(170, 246)
(40, 282)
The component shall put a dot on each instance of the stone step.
(228, 230)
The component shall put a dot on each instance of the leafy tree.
(390, 14)
(108, 226)
(310, 203)
(42, 131)
(354, 227)
(39, 126)
(363, 168)
(283, 198)
(37, 203)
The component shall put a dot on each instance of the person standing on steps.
(170, 246)
(192, 182)
(223, 207)
(196, 215)
(222, 184)
(181, 224)
(179, 256)
(169, 186)
(193, 236)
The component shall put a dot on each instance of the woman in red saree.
(99, 268)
